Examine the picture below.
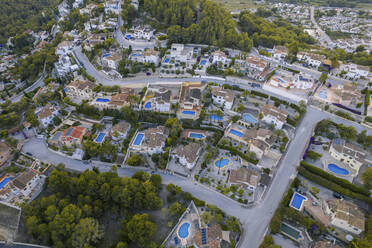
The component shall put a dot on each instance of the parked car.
(338, 195)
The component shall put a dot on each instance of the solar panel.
(204, 236)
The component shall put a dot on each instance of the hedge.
(342, 182)
(257, 93)
(332, 186)
(291, 122)
(234, 151)
(278, 100)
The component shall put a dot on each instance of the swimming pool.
(100, 137)
(221, 162)
(290, 231)
(236, 133)
(166, 60)
(106, 55)
(128, 36)
(338, 170)
(196, 136)
(183, 231)
(4, 182)
(297, 201)
(102, 100)
(148, 105)
(203, 62)
(138, 139)
(188, 112)
(249, 118)
(216, 118)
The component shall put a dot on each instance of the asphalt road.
(38, 83)
(324, 38)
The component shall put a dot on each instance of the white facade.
(355, 71)
(220, 57)
(143, 33)
(270, 119)
(65, 47)
(112, 6)
(180, 53)
(345, 158)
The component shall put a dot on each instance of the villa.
(188, 154)
(81, 89)
(150, 141)
(257, 68)
(355, 71)
(95, 39)
(346, 216)
(346, 152)
(121, 99)
(47, 114)
(120, 130)
(273, 115)
(312, 59)
(180, 53)
(25, 183)
(111, 61)
(64, 47)
(70, 137)
(248, 178)
(190, 101)
(112, 6)
(149, 56)
(280, 52)
(157, 100)
(192, 231)
(345, 94)
(143, 32)
(220, 57)
(5, 153)
(223, 97)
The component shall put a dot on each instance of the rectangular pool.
(297, 201)
(290, 231)
(4, 182)
(236, 133)
(196, 136)
(188, 112)
(100, 137)
(138, 139)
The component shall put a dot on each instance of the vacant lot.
(8, 221)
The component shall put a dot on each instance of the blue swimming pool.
(102, 100)
(138, 139)
(100, 137)
(183, 231)
(338, 170)
(4, 182)
(188, 112)
(297, 201)
(249, 118)
(166, 60)
(128, 36)
(236, 133)
(220, 163)
(216, 118)
(148, 105)
(196, 136)
(203, 62)
(106, 55)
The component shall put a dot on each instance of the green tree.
(87, 232)
(367, 178)
(140, 230)
(175, 209)
(206, 217)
